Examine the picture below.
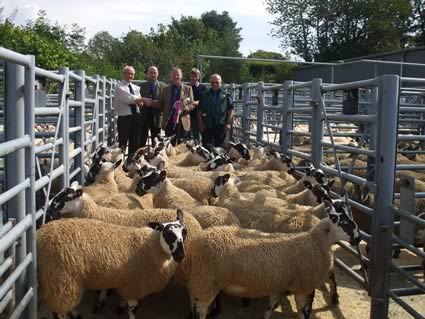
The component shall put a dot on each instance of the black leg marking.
(308, 307)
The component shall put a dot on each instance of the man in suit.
(128, 103)
(175, 103)
(150, 117)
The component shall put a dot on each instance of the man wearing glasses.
(215, 113)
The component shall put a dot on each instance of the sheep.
(165, 194)
(199, 189)
(196, 156)
(105, 192)
(260, 213)
(278, 162)
(209, 216)
(247, 263)
(99, 259)
(238, 150)
(221, 163)
(312, 175)
(73, 202)
(273, 179)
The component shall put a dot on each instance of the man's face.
(194, 78)
(215, 82)
(176, 77)
(129, 74)
(152, 74)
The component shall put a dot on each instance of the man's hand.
(147, 101)
(227, 127)
(138, 101)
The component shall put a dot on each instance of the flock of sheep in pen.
(235, 221)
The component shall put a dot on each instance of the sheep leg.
(75, 315)
(120, 309)
(101, 301)
(304, 305)
(273, 303)
(132, 308)
(200, 309)
(215, 307)
(333, 288)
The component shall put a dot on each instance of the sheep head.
(151, 182)
(344, 227)
(67, 201)
(172, 236)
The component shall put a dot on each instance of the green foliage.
(268, 72)
(338, 29)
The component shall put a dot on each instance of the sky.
(119, 17)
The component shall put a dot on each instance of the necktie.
(133, 106)
(152, 90)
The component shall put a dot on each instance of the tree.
(227, 45)
(267, 72)
(417, 26)
(338, 29)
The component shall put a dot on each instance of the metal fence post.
(385, 172)
(288, 103)
(15, 161)
(96, 114)
(102, 114)
(316, 123)
(64, 126)
(260, 111)
(31, 310)
(80, 118)
(245, 113)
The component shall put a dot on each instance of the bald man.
(150, 118)
(215, 113)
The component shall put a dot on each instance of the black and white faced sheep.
(278, 162)
(252, 264)
(97, 167)
(74, 255)
(221, 162)
(238, 150)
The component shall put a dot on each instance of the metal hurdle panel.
(315, 104)
(40, 128)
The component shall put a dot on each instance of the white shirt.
(123, 98)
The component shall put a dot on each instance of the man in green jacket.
(215, 113)
(150, 118)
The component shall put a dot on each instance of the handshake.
(141, 101)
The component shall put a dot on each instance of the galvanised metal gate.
(272, 114)
(46, 141)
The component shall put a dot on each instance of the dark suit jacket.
(147, 113)
(164, 105)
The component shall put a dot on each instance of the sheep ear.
(330, 183)
(79, 192)
(226, 177)
(189, 147)
(161, 165)
(163, 175)
(156, 226)
(308, 185)
(179, 215)
(117, 163)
